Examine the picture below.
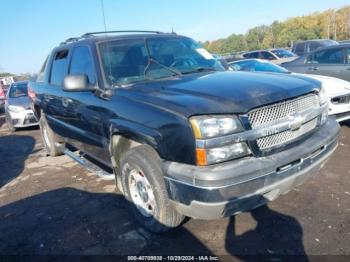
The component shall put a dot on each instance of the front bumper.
(24, 118)
(240, 185)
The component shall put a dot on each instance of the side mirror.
(74, 83)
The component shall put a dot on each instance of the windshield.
(282, 53)
(258, 66)
(129, 61)
(18, 90)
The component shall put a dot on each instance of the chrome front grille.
(285, 137)
(269, 115)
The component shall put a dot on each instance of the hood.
(220, 92)
(333, 86)
(22, 101)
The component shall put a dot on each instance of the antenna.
(103, 15)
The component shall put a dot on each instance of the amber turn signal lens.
(201, 157)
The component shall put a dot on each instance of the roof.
(111, 35)
(314, 40)
(341, 45)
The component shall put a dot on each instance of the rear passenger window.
(267, 56)
(313, 46)
(59, 67)
(254, 55)
(329, 56)
(82, 63)
(299, 48)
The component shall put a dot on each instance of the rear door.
(328, 62)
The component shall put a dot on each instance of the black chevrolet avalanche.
(180, 135)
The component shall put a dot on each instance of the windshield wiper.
(200, 69)
(151, 60)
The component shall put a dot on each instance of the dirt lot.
(53, 206)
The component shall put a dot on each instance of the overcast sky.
(31, 28)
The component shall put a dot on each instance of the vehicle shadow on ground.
(14, 150)
(345, 123)
(68, 221)
(275, 237)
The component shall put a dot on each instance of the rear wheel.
(49, 137)
(144, 188)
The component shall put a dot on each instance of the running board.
(91, 167)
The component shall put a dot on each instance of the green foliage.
(332, 24)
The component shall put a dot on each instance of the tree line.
(330, 24)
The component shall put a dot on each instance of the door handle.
(313, 68)
(348, 68)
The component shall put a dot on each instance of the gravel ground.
(53, 206)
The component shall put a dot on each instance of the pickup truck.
(180, 136)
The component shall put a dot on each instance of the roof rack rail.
(120, 31)
(71, 40)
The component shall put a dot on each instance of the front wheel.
(144, 188)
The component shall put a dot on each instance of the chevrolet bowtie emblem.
(296, 122)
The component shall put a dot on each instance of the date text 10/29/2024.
(173, 258)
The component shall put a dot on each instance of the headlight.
(206, 127)
(323, 100)
(212, 126)
(15, 109)
(323, 96)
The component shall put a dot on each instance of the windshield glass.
(129, 61)
(282, 53)
(258, 66)
(18, 90)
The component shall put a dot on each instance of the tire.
(49, 137)
(10, 127)
(145, 162)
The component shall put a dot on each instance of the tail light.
(31, 93)
(2, 93)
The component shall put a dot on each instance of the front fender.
(135, 132)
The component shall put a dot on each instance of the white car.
(338, 90)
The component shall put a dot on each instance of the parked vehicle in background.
(17, 107)
(2, 97)
(328, 61)
(183, 136)
(276, 56)
(337, 90)
(302, 48)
